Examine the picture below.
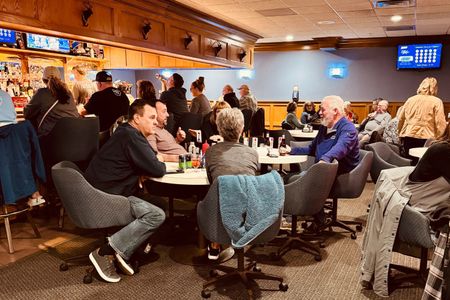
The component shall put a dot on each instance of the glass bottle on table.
(282, 148)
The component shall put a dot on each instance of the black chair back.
(287, 126)
(257, 123)
(170, 127)
(190, 121)
(279, 133)
(72, 139)
(248, 113)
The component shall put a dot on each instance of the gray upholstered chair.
(413, 243)
(306, 196)
(349, 186)
(384, 158)
(88, 207)
(210, 224)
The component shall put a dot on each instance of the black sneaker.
(213, 254)
(104, 266)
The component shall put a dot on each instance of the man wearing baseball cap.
(108, 103)
(247, 101)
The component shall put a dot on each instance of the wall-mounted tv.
(7, 37)
(420, 56)
(50, 43)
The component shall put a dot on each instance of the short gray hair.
(335, 102)
(230, 123)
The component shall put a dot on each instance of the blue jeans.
(147, 220)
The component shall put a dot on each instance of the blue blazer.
(20, 160)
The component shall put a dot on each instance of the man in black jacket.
(115, 169)
(229, 96)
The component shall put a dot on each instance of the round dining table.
(299, 134)
(176, 183)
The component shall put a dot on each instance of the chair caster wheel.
(135, 265)
(63, 267)
(353, 236)
(213, 273)
(275, 256)
(206, 294)
(256, 269)
(87, 279)
(359, 227)
(317, 258)
(283, 287)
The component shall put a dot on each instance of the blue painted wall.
(125, 75)
(371, 73)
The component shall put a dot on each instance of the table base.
(191, 255)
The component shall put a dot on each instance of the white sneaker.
(36, 201)
(123, 265)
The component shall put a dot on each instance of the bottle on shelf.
(191, 148)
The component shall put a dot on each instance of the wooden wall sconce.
(242, 54)
(86, 14)
(217, 46)
(146, 29)
(187, 40)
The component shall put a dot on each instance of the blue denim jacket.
(341, 143)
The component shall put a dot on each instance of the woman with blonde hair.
(422, 116)
(83, 87)
(209, 125)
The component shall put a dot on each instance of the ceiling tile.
(401, 33)
(322, 17)
(421, 3)
(268, 4)
(357, 14)
(395, 11)
(312, 9)
(432, 29)
(433, 9)
(304, 3)
(352, 6)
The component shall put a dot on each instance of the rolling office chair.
(384, 158)
(210, 224)
(306, 196)
(350, 185)
(413, 243)
(190, 121)
(257, 123)
(248, 113)
(72, 139)
(87, 207)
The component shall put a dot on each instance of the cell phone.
(272, 155)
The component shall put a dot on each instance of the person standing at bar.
(200, 104)
(109, 103)
(174, 96)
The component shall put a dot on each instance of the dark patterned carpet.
(335, 277)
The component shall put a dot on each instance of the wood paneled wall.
(119, 23)
(275, 111)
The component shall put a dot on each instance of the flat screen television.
(49, 43)
(7, 36)
(419, 56)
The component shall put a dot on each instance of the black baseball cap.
(103, 76)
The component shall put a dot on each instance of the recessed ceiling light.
(326, 22)
(396, 18)
(289, 37)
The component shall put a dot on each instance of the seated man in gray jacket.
(375, 121)
(115, 169)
